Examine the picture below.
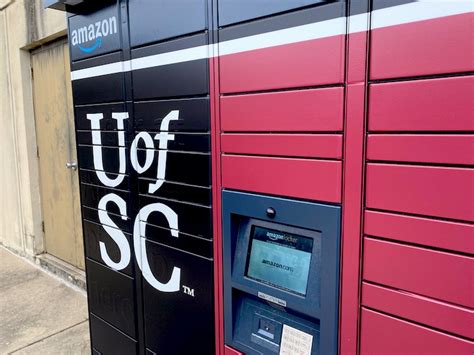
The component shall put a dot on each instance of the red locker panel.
(436, 314)
(229, 351)
(447, 149)
(433, 191)
(381, 334)
(444, 276)
(290, 145)
(313, 62)
(301, 178)
(432, 46)
(312, 110)
(455, 236)
(443, 104)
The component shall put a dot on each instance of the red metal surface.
(290, 145)
(229, 351)
(448, 149)
(302, 178)
(357, 56)
(430, 286)
(444, 104)
(381, 334)
(291, 111)
(433, 191)
(436, 314)
(442, 45)
(416, 230)
(351, 216)
(353, 183)
(313, 62)
(441, 275)
(216, 202)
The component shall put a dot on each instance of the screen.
(279, 259)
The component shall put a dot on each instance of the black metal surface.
(111, 297)
(177, 191)
(106, 339)
(156, 20)
(183, 326)
(192, 219)
(177, 163)
(91, 195)
(107, 123)
(92, 215)
(323, 12)
(94, 233)
(189, 78)
(94, 33)
(233, 11)
(90, 177)
(193, 115)
(110, 158)
(129, 312)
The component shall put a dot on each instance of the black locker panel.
(156, 20)
(108, 138)
(187, 168)
(90, 87)
(187, 142)
(90, 177)
(142, 119)
(185, 322)
(192, 219)
(117, 220)
(110, 158)
(95, 33)
(234, 11)
(94, 234)
(111, 297)
(193, 115)
(105, 339)
(91, 196)
(107, 123)
(177, 191)
(171, 69)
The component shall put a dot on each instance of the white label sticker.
(295, 342)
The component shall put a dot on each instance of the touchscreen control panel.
(279, 259)
(281, 274)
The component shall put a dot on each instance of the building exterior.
(39, 197)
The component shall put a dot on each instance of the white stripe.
(183, 55)
(359, 23)
(419, 11)
(391, 16)
(99, 70)
(302, 33)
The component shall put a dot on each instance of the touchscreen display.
(279, 259)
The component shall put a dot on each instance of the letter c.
(173, 285)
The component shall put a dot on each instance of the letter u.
(97, 147)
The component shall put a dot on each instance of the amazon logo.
(90, 38)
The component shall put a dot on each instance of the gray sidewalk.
(38, 313)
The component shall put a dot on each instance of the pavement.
(39, 313)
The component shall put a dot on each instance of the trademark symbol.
(188, 291)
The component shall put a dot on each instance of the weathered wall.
(24, 25)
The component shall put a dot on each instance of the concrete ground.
(39, 314)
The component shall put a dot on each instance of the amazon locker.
(276, 177)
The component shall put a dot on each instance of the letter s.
(173, 284)
(115, 233)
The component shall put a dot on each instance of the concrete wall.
(24, 25)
